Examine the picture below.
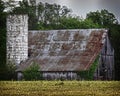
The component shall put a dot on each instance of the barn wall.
(54, 76)
(105, 70)
(60, 76)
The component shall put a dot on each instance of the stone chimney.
(17, 38)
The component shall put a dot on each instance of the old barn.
(70, 54)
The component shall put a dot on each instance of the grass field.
(59, 88)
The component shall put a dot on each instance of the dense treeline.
(2, 37)
(2, 33)
(115, 40)
(46, 16)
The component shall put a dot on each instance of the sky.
(82, 7)
(111, 5)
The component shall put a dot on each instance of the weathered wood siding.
(60, 75)
(105, 70)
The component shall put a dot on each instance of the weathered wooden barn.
(61, 54)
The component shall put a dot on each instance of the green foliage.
(4, 74)
(102, 18)
(87, 23)
(30, 9)
(70, 22)
(11, 67)
(1, 6)
(114, 35)
(46, 14)
(2, 35)
(32, 72)
(89, 74)
(8, 72)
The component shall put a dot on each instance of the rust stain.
(64, 50)
(92, 49)
(78, 37)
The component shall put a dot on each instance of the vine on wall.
(89, 74)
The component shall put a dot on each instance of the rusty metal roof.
(64, 50)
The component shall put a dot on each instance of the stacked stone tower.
(17, 38)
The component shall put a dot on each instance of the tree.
(42, 15)
(2, 41)
(2, 34)
(10, 5)
(115, 39)
(28, 8)
(51, 14)
(76, 22)
(103, 18)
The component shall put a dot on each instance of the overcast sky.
(81, 7)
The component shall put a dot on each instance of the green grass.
(59, 88)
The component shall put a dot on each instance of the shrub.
(11, 67)
(32, 72)
(8, 72)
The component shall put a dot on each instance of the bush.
(8, 72)
(32, 72)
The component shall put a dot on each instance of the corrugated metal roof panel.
(64, 50)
